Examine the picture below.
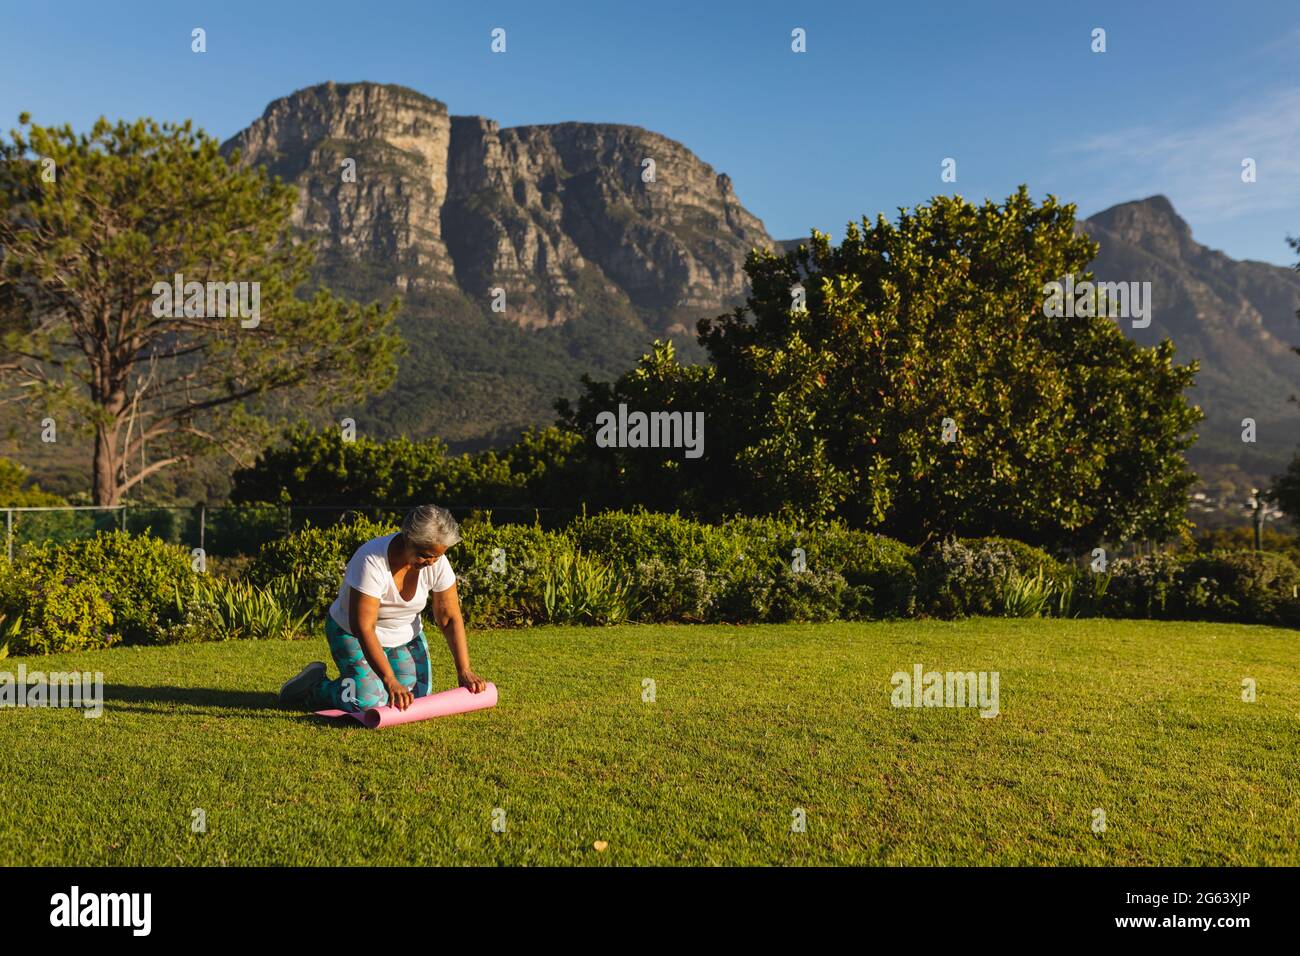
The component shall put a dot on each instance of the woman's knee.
(364, 692)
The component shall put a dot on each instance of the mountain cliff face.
(1237, 318)
(551, 215)
(392, 212)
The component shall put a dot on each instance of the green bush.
(316, 559)
(809, 595)
(1143, 587)
(970, 575)
(879, 573)
(9, 629)
(751, 569)
(632, 538)
(17, 490)
(241, 529)
(742, 596)
(166, 524)
(604, 569)
(217, 609)
(580, 589)
(1025, 595)
(1082, 594)
(34, 528)
(48, 613)
(501, 572)
(1248, 586)
(674, 566)
(681, 592)
(124, 585)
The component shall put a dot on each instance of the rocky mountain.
(525, 257)
(1237, 318)
(547, 214)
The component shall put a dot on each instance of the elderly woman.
(374, 629)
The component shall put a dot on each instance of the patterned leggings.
(358, 687)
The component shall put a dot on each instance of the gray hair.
(430, 526)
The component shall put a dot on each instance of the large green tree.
(1062, 432)
(93, 227)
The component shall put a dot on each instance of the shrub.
(35, 528)
(1082, 594)
(743, 596)
(810, 595)
(676, 568)
(9, 630)
(879, 573)
(501, 572)
(678, 592)
(969, 576)
(1025, 595)
(242, 529)
(17, 490)
(118, 588)
(579, 589)
(133, 577)
(315, 558)
(630, 539)
(1256, 587)
(217, 609)
(1143, 587)
(750, 569)
(52, 613)
(166, 524)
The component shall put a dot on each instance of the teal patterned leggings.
(358, 687)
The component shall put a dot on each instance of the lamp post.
(1257, 517)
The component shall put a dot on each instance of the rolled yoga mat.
(443, 704)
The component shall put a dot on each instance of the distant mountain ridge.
(594, 261)
(1238, 318)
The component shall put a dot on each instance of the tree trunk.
(106, 468)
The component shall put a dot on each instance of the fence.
(226, 529)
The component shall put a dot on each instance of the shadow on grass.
(192, 696)
(209, 697)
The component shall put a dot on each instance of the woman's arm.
(363, 612)
(446, 613)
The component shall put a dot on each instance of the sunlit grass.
(748, 725)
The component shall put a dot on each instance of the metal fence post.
(9, 532)
(203, 525)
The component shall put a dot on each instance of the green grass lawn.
(1143, 720)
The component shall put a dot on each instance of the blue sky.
(857, 125)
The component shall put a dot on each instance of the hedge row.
(614, 567)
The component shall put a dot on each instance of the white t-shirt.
(368, 572)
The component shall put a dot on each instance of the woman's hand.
(471, 681)
(398, 695)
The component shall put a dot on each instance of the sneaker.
(295, 689)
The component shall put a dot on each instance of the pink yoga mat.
(443, 704)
